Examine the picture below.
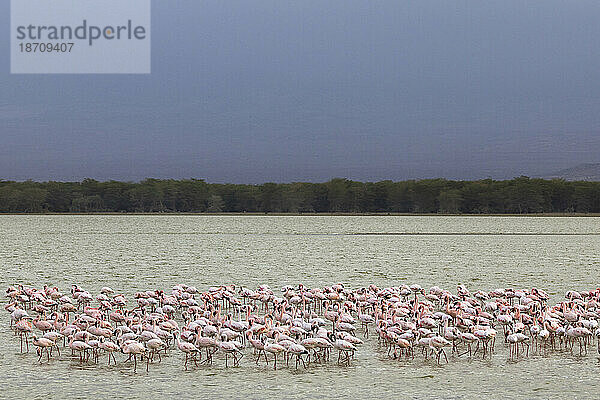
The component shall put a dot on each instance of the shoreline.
(262, 214)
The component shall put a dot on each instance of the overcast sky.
(255, 91)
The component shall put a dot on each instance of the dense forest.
(516, 196)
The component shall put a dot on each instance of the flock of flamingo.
(299, 325)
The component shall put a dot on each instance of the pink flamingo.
(42, 344)
(189, 350)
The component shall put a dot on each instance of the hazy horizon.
(279, 91)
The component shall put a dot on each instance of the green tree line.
(516, 196)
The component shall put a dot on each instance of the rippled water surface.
(130, 253)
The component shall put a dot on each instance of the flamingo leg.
(258, 358)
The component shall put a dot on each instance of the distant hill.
(583, 172)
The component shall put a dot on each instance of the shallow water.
(130, 253)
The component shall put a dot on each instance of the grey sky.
(255, 91)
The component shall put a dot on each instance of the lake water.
(131, 253)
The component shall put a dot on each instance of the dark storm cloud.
(253, 91)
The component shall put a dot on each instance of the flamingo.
(42, 344)
(259, 347)
(365, 320)
(230, 347)
(134, 348)
(468, 338)
(437, 344)
(189, 350)
(79, 346)
(24, 327)
(296, 323)
(298, 350)
(275, 349)
(344, 346)
(154, 347)
(110, 348)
